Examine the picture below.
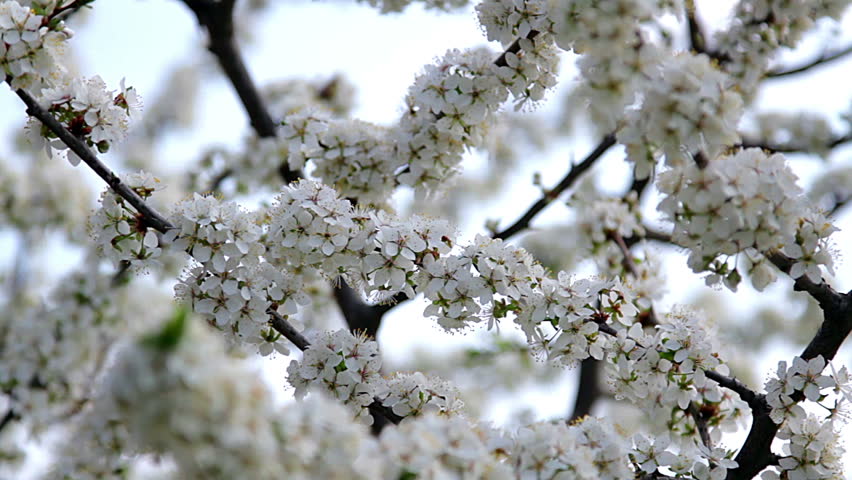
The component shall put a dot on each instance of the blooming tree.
(126, 378)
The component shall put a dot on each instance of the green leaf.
(168, 338)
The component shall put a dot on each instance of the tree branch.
(696, 35)
(551, 195)
(792, 148)
(217, 18)
(152, 218)
(8, 418)
(823, 59)
(588, 390)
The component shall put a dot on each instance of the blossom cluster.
(230, 286)
(691, 460)
(811, 449)
(450, 107)
(431, 446)
(120, 233)
(347, 368)
(745, 203)
(586, 450)
(616, 54)
(664, 372)
(688, 109)
(600, 218)
(759, 29)
(31, 43)
(803, 376)
(50, 352)
(87, 109)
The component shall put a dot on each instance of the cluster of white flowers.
(451, 105)
(747, 203)
(31, 43)
(803, 376)
(813, 450)
(600, 218)
(617, 56)
(120, 233)
(356, 157)
(665, 373)
(49, 354)
(98, 116)
(434, 446)
(311, 226)
(688, 109)
(761, 27)
(505, 21)
(345, 366)
(179, 394)
(413, 394)
(232, 287)
(489, 279)
(590, 449)
(806, 131)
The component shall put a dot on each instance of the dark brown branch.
(551, 195)
(8, 418)
(752, 398)
(696, 34)
(588, 389)
(791, 147)
(152, 218)
(821, 60)
(755, 453)
(358, 315)
(282, 326)
(217, 18)
(700, 424)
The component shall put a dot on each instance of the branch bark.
(823, 59)
(551, 195)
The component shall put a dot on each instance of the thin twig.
(282, 326)
(793, 148)
(8, 418)
(551, 195)
(821, 60)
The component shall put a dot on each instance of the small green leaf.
(170, 335)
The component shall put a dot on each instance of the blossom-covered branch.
(152, 218)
